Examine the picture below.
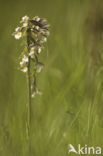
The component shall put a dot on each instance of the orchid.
(34, 33)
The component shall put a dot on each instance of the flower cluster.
(35, 31)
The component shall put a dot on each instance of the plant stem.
(29, 97)
(29, 88)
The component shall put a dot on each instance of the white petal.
(25, 69)
(39, 68)
(33, 95)
(25, 18)
(36, 18)
(18, 35)
(25, 24)
(17, 29)
(31, 54)
(25, 59)
(39, 50)
(21, 63)
(32, 50)
(37, 27)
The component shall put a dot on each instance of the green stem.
(29, 98)
(29, 86)
(29, 101)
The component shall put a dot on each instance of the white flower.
(21, 63)
(39, 67)
(17, 29)
(33, 94)
(32, 49)
(37, 27)
(31, 54)
(44, 39)
(18, 35)
(25, 69)
(37, 91)
(25, 21)
(25, 18)
(25, 59)
(39, 50)
(36, 18)
(25, 24)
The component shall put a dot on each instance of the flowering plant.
(34, 32)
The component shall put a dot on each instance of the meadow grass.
(70, 109)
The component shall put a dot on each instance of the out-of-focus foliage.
(70, 109)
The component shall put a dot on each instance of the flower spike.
(36, 32)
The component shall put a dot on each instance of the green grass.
(70, 109)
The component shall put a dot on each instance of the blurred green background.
(71, 107)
